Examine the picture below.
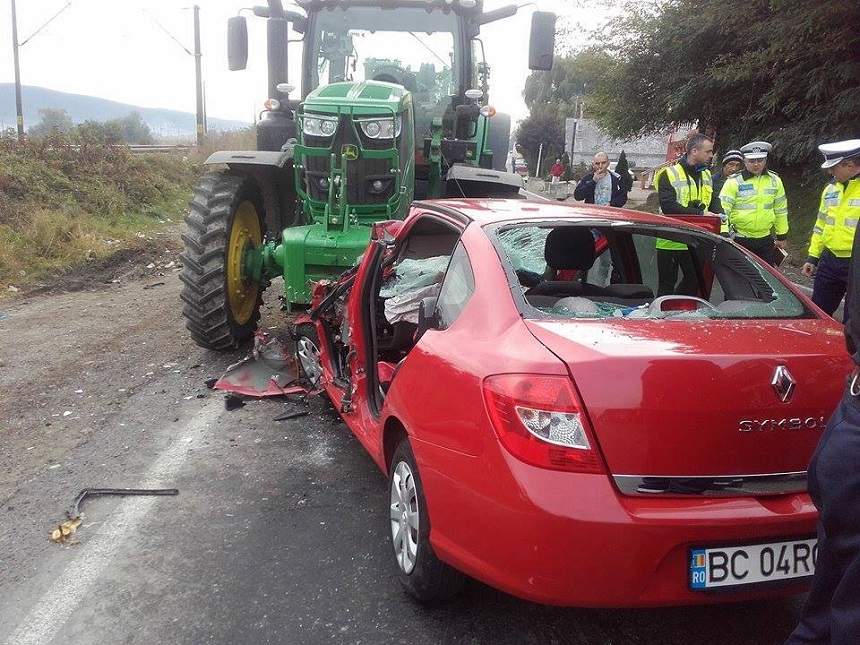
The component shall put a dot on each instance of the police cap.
(836, 152)
(756, 150)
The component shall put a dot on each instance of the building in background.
(583, 138)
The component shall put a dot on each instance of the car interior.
(600, 271)
(414, 271)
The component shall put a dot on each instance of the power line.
(48, 22)
(165, 30)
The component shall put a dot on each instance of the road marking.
(73, 585)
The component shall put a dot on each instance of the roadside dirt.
(76, 351)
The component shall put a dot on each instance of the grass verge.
(61, 207)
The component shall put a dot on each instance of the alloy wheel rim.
(309, 357)
(404, 517)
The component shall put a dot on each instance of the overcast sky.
(115, 49)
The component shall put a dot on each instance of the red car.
(553, 427)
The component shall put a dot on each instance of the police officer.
(833, 235)
(755, 205)
(832, 611)
(685, 188)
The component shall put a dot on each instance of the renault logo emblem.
(783, 383)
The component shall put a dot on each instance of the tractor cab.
(395, 105)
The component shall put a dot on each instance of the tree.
(52, 122)
(565, 87)
(131, 130)
(622, 169)
(543, 126)
(779, 70)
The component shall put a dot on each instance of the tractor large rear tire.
(221, 308)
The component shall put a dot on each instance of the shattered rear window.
(624, 279)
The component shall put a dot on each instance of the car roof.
(499, 211)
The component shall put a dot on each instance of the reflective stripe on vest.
(755, 206)
(837, 221)
(686, 192)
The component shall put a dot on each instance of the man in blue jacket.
(601, 186)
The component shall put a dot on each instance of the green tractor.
(395, 108)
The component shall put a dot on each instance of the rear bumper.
(572, 540)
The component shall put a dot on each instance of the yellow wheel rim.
(244, 234)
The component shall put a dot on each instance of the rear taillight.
(540, 420)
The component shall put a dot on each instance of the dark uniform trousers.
(832, 612)
(761, 246)
(831, 282)
(668, 264)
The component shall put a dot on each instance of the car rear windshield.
(618, 270)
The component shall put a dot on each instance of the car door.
(436, 391)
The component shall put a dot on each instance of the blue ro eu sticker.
(698, 569)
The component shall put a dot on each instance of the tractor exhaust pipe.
(277, 34)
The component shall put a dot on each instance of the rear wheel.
(222, 304)
(425, 577)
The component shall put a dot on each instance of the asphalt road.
(279, 533)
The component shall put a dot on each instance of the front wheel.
(425, 577)
(308, 353)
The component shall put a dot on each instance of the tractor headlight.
(381, 128)
(319, 126)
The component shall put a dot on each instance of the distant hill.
(163, 123)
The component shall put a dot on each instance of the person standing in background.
(732, 163)
(755, 205)
(833, 234)
(685, 188)
(601, 186)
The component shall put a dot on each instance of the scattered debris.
(67, 413)
(67, 529)
(270, 370)
(292, 415)
(210, 382)
(3, 315)
(154, 284)
(233, 402)
(13, 289)
(169, 265)
(151, 265)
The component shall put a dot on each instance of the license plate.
(725, 567)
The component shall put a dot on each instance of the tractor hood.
(364, 98)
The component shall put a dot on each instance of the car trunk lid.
(679, 398)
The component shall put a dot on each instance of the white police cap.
(836, 152)
(756, 150)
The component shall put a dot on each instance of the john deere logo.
(349, 152)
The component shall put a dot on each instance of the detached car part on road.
(552, 428)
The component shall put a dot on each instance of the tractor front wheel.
(221, 302)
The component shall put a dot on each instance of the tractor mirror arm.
(274, 10)
(498, 14)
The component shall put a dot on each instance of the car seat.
(572, 248)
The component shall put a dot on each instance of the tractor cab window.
(411, 47)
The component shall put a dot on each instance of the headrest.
(570, 247)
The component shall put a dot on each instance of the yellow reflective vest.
(837, 219)
(686, 191)
(755, 206)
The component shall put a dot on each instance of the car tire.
(426, 578)
(308, 353)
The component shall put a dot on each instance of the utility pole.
(19, 109)
(198, 56)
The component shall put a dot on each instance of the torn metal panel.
(270, 370)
